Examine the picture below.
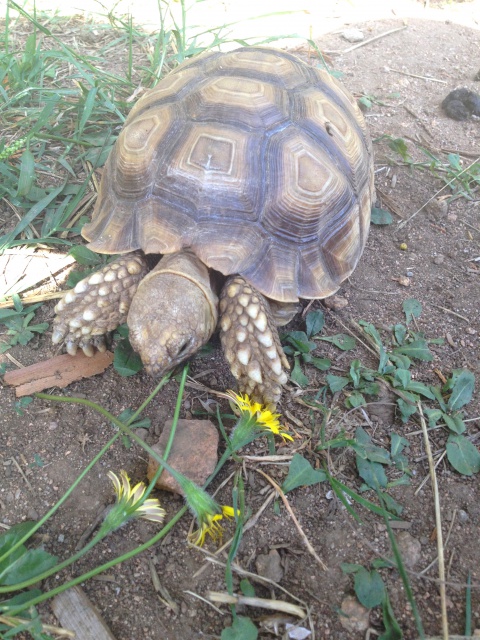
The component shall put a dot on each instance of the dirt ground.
(406, 75)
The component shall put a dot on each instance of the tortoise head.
(173, 313)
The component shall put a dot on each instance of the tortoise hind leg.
(251, 343)
(98, 304)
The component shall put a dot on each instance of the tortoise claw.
(98, 304)
(251, 343)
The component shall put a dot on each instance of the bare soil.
(408, 74)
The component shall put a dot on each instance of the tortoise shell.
(259, 163)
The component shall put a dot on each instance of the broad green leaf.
(121, 331)
(372, 473)
(439, 398)
(342, 341)
(397, 445)
(422, 389)
(390, 503)
(392, 628)
(399, 146)
(241, 629)
(247, 588)
(32, 563)
(356, 399)
(400, 362)
(348, 567)
(323, 364)
(27, 173)
(380, 216)
(372, 331)
(401, 378)
(369, 588)
(454, 423)
(412, 309)
(300, 341)
(14, 534)
(463, 455)
(297, 374)
(406, 409)
(366, 102)
(125, 360)
(433, 416)
(19, 599)
(315, 321)
(85, 256)
(336, 383)
(400, 333)
(462, 389)
(355, 372)
(301, 474)
(417, 349)
(365, 448)
(370, 388)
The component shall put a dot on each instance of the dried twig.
(20, 470)
(39, 297)
(11, 621)
(414, 75)
(404, 222)
(210, 604)
(370, 40)
(295, 521)
(453, 313)
(438, 522)
(263, 603)
(426, 477)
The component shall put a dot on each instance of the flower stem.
(50, 513)
(104, 567)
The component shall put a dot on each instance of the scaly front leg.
(251, 343)
(98, 304)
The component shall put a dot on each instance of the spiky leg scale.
(251, 342)
(98, 304)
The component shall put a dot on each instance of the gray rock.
(409, 547)
(270, 566)
(356, 618)
(353, 35)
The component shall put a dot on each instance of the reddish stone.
(193, 453)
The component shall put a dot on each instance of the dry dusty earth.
(53, 443)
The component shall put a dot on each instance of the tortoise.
(251, 173)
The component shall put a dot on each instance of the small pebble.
(409, 547)
(61, 538)
(335, 303)
(353, 35)
(270, 566)
(462, 516)
(355, 618)
(142, 433)
(439, 259)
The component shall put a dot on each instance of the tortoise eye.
(184, 347)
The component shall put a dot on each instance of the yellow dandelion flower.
(129, 502)
(263, 417)
(210, 525)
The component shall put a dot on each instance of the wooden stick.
(414, 75)
(438, 523)
(59, 371)
(381, 35)
(295, 521)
